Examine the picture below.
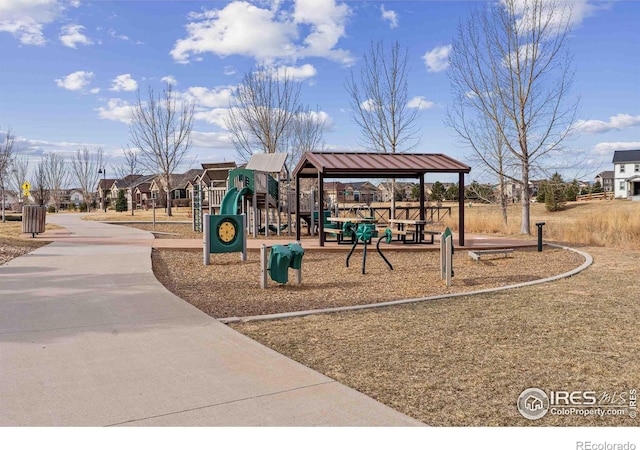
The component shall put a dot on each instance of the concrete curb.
(588, 261)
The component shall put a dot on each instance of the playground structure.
(278, 262)
(254, 190)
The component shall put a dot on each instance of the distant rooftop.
(623, 156)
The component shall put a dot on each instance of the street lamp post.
(103, 172)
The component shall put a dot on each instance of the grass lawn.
(12, 245)
(465, 361)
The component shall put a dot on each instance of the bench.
(400, 234)
(337, 232)
(431, 234)
(477, 254)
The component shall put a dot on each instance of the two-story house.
(626, 182)
(606, 179)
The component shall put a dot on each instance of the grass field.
(179, 214)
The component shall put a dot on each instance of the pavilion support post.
(461, 209)
(297, 207)
(421, 196)
(321, 207)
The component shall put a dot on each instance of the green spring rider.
(364, 233)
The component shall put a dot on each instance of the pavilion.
(322, 165)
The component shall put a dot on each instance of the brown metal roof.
(376, 164)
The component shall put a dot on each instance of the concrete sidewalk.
(88, 337)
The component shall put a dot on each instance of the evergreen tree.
(597, 188)
(121, 202)
(555, 196)
(438, 192)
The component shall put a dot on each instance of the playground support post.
(446, 258)
(205, 240)
(264, 270)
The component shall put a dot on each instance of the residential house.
(104, 191)
(626, 165)
(514, 190)
(606, 179)
(350, 192)
(180, 185)
(11, 200)
(404, 190)
(71, 198)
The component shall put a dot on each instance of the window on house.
(621, 168)
(636, 168)
(622, 185)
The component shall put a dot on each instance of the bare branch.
(84, 167)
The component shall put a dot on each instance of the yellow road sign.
(26, 186)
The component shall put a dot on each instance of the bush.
(83, 207)
(51, 209)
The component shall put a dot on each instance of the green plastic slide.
(231, 200)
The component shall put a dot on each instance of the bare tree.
(262, 109)
(56, 174)
(511, 71)
(306, 134)
(161, 130)
(84, 166)
(6, 158)
(131, 166)
(18, 173)
(380, 102)
(40, 186)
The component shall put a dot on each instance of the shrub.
(51, 209)
(83, 207)
(121, 202)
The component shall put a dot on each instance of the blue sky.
(70, 69)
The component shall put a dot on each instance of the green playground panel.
(216, 245)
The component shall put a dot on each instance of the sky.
(70, 70)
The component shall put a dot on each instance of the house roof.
(267, 162)
(182, 180)
(607, 174)
(622, 156)
(144, 188)
(376, 165)
(105, 183)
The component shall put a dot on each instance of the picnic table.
(338, 232)
(416, 231)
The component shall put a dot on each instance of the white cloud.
(169, 79)
(117, 110)
(114, 34)
(71, 36)
(25, 19)
(368, 105)
(559, 13)
(94, 90)
(389, 15)
(216, 116)
(437, 59)
(211, 139)
(242, 28)
(420, 103)
(218, 97)
(229, 70)
(75, 81)
(606, 148)
(296, 73)
(123, 82)
(617, 122)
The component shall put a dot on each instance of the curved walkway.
(88, 336)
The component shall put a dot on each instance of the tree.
(84, 167)
(263, 107)
(161, 131)
(6, 159)
(380, 102)
(40, 186)
(480, 192)
(555, 195)
(131, 166)
(18, 172)
(306, 134)
(56, 175)
(453, 193)
(596, 188)
(415, 192)
(510, 70)
(438, 192)
(121, 201)
(571, 191)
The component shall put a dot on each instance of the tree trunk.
(526, 204)
(393, 198)
(169, 213)
(502, 198)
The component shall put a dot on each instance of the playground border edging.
(588, 261)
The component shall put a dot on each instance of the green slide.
(231, 199)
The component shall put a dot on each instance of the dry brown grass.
(11, 243)
(464, 361)
(179, 214)
(602, 223)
